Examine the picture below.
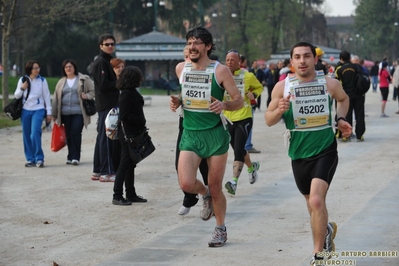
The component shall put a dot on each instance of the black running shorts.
(321, 166)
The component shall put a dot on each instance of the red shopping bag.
(58, 138)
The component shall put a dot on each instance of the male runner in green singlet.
(205, 135)
(304, 100)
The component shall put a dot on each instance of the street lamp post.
(396, 24)
(201, 12)
(156, 3)
(224, 34)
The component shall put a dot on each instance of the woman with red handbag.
(68, 109)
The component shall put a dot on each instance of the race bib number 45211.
(196, 91)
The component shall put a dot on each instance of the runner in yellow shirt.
(250, 88)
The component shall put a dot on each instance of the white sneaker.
(207, 210)
(219, 237)
(39, 164)
(183, 210)
(231, 187)
(75, 162)
(107, 178)
(253, 176)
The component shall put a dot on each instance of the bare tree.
(28, 14)
(8, 9)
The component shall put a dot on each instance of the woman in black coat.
(131, 115)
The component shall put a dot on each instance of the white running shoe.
(207, 210)
(253, 176)
(183, 210)
(231, 187)
(329, 245)
(219, 237)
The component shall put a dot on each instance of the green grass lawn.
(13, 81)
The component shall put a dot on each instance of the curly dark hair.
(204, 35)
(130, 77)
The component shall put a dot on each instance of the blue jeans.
(73, 131)
(374, 81)
(248, 144)
(102, 161)
(32, 134)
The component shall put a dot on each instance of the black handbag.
(140, 146)
(89, 105)
(14, 109)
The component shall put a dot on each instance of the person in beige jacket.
(68, 108)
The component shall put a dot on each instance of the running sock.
(235, 179)
(221, 227)
(208, 193)
(250, 169)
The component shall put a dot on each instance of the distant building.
(341, 33)
(154, 53)
(330, 56)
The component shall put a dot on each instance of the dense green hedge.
(13, 81)
(6, 122)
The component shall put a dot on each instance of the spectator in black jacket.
(107, 96)
(269, 79)
(276, 74)
(260, 75)
(346, 73)
(131, 115)
(374, 75)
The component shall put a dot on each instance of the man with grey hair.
(355, 59)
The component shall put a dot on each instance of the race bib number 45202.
(310, 107)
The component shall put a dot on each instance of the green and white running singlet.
(197, 88)
(203, 131)
(309, 118)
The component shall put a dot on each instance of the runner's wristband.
(341, 118)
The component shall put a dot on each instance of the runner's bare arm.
(175, 100)
(336, 91)
(226, 80)
(278, 105)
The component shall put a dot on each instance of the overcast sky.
(339, 7)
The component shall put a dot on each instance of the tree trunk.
(8, 12)
(6, 68)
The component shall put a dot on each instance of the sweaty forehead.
(193, 39)
(302, 50)
(232, 55)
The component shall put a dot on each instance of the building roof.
(330, 55)
(154, 37)
(154, 45)
(334, 21)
